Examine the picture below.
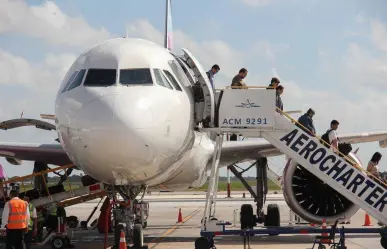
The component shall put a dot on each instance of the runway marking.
(172, 229)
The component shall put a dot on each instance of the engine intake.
(312, 199)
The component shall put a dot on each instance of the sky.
(329, 55)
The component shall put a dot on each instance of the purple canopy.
(2, 172)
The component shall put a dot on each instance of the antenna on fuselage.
(168, 26)
(127, 32)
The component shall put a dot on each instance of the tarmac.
(163, 231)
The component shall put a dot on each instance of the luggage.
(234, 137)
(345, 148)
(54, 190)
(88, 180)
(32, 194)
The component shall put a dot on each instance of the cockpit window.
(100, 77)
(136, 76)
(172, 80)
(69, 81)
(78, 80)
(161, 80)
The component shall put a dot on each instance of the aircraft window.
(78, 80)
(69, 81)
(178, 72)
(138, 76)
(172, 80)
(100, 77)
(161, 80)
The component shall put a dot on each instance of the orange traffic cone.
(179, 217)
(122, 241)
(324, 226)
(367, 221)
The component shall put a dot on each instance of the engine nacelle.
(312, 199)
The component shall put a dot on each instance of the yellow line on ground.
(172, 229)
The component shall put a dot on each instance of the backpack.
(325, 138)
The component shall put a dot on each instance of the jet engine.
(312, 199)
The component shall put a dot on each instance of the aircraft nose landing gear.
(125, 216)
(204, 243)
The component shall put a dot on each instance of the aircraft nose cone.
(98, 113)
(117, 136)
(133, 112)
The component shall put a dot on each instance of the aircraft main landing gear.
(247, 218)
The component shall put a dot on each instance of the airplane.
(127, 113)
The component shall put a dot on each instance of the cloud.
(44, 76)
(268, 50)
(360, 74)
(358, 97)
(49, 23)
(257, 3)
(379, 35)
(209, 52)
(364, 69)
(360, 18)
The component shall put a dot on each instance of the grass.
(238, 186)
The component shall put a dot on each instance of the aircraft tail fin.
(168, 37)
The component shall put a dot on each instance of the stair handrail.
(42, 173)
(245, 87)
(21, 178)
(355, 164)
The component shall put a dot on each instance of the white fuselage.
(132, 134)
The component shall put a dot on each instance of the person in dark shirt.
(278, 102)
(306, 120)
(237, 81)
(274, 83)
(211, 73)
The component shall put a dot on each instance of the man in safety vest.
(40, 211)
(15, 218)
(52, 218)
(32, 224)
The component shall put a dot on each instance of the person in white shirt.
(372, 166)
(332, 135)
(16, 216)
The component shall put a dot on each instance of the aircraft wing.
(247, 150)
(15, 153)
(48, 153)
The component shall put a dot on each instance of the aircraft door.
(204, 95)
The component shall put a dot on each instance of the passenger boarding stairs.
(274, 177)
(252, 113)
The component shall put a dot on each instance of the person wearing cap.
(306, 121)
(332, 135)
